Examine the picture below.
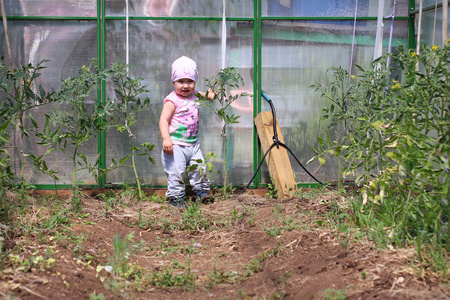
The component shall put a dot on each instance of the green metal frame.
(412, 8)
(257, 155)
(101, 53)
(257, 37)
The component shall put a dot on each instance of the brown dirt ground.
(233, 259)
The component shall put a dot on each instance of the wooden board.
(277, 159)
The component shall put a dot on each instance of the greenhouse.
(280, 47)
(234, 149)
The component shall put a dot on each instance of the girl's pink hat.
(184, 67)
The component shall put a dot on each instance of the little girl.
(178, 125)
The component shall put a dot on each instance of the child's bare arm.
(211, 94)
(164, 120)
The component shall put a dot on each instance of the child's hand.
(167, 146)
(212, 94)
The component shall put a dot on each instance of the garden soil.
(248, 246)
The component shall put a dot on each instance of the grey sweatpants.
(175, 166)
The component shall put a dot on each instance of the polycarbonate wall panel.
(428, 3)
(62, 8)
(333, 8)
(431, 32)
(153, 46)
(180, 8)
(67, 45)
(296, 54)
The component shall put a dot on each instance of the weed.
(241, 294)
(218, 276)
(255, 265)
(280, 222)
(120, 266)
(146, 222)
(363, 274)
(240, 215)
(273, 191)
(168, 226)
(236, 217)
(333, 294)
(111, 200)
(272, 231)
(127, 191)
(189, 249)
(193, 219)
(76, 202)
(59, 218)
(168, 246)
(94, 296)
(300, 192)
(251, 221)
(156, 199)
(68, 239)
(344, 241)
(225, 191)
(289, 223)
(205, 167)
(35, 260)
(279, 295)
(167, 278)
(283, 281)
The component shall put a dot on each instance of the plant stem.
(225, 177)
(74, 174)
(339, 173)
(22, 156)
(134, 169)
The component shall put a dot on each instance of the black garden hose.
(278, 143)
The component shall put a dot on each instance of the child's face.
(184, 87)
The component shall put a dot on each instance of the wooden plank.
(277, 159)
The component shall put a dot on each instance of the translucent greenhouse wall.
(431, 31)
(278, 46)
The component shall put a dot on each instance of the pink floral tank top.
(183, 127)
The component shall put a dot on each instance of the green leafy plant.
(240, 215)
(126, 108)
(167, 278)
(395, 141)
(146, 222)
(344, 239)
(119, 262)
(256, 264)
(217, 276)
(94, 296)
(22, 95)
(76, 122)
(280, 222)
(333, 294)
(206, 167)
(111, 200)
(273, 191)
(224, 82)
(6, 173)
(193, 219)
